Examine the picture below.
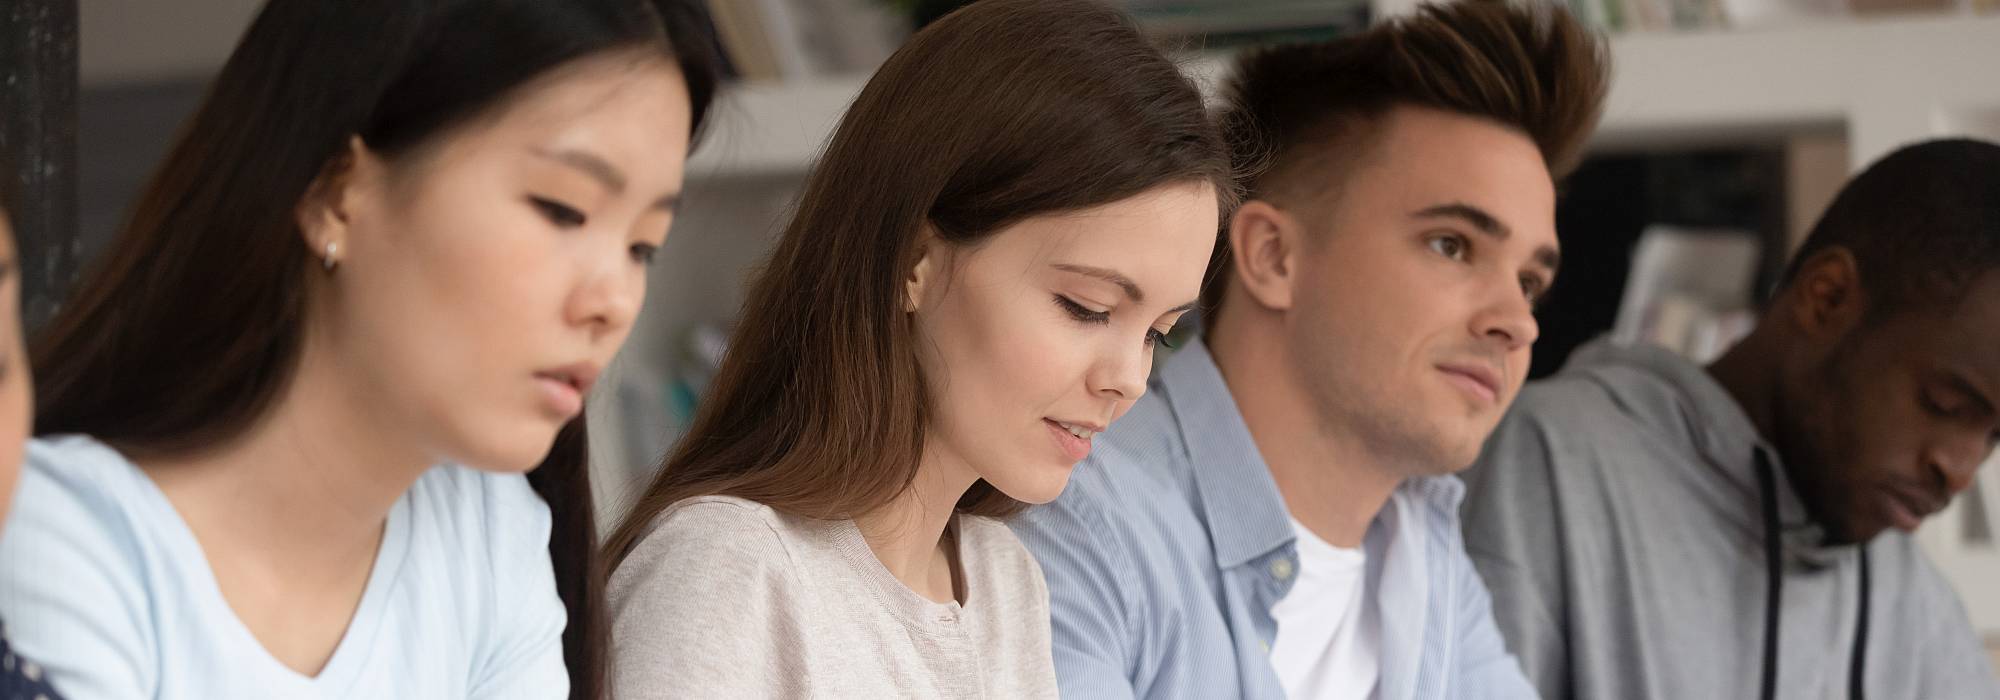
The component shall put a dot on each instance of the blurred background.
(1730, 125)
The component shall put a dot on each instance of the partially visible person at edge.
(1652, 528)
(1278, 517)
(313, 426)
(20, 677)
(1014, 212)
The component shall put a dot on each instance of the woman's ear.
(325, 214)
(933, 257)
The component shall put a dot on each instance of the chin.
(516, 453)
(1033, 489)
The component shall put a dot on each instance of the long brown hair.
(191, 324)
(1003, 110)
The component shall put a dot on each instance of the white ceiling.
(138, 41)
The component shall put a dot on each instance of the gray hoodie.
(1618, 518)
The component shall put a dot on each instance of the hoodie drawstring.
(1774, 593)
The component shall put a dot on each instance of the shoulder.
(83, 564)
(713, 536)
(999, 551)
(80, 499)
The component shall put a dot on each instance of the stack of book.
(1689, 291)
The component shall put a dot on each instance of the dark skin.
(1880, 419)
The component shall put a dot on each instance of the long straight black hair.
(191, 324)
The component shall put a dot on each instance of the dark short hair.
(1922, 223)
(1297, 114)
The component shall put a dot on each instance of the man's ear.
(1825, 298)
(1263, 250)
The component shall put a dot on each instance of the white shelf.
(1887, 81)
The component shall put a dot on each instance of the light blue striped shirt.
(1171, 544)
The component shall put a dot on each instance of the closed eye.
(643, 253)
(1081, 312)
(562, 215)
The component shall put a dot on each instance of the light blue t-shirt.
(104, 585)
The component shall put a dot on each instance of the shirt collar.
(1246, 516)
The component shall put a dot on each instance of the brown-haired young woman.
(1016, 208)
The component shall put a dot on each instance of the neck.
(907, 534)
(1331, 482)
(1746, 373)
(307, 489)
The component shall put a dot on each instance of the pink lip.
(563, 388)
(1481, 382)
(1073, 447)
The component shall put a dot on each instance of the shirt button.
(1265, 645)
(1282, 569)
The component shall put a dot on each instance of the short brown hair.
(1003, 110)
(1534, 69)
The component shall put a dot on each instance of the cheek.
(16, 410)
(456, 307)
(1006, 358)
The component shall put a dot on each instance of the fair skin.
(1378, 331)
(481, 282)
(1051, 322)
(17, 404)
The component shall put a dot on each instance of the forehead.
(1416, 158)
(1964, 336)
(1155, 238)
(622, 105)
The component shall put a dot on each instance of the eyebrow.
(1113, 276)
(1490, 225)
(604, 172)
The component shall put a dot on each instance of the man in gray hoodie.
(1650, 528)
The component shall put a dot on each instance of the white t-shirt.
(1328, 629)
(104, 585)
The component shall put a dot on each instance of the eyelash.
(1085, 315)
(1531, 286)
(562, 215)
(643, 253)
(566, 217)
